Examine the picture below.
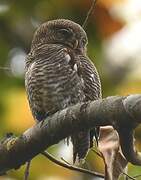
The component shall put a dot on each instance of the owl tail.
(81, 144)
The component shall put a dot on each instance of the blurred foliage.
(18, 21)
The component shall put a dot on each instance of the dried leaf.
(109, 146)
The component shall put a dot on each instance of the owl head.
(61, 31)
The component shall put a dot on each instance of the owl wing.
(92, 87)
(90, 78)
(51, 83)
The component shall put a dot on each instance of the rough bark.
(123, 113)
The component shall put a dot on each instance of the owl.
(59, 74)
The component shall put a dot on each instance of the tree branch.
(89, 13)
(71, 167)
(123, 113)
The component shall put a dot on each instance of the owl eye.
(64, 32)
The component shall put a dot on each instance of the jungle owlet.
(59, 74)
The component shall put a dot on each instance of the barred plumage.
(59, 74)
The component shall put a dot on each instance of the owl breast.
(52, 81)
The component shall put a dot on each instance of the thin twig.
(65, 161)
(71, 167)
(130, 177)
(5, 68)
(26, 173)
(98, 153)
(137, 176)
(89, 13)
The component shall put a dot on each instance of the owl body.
(59, 74)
